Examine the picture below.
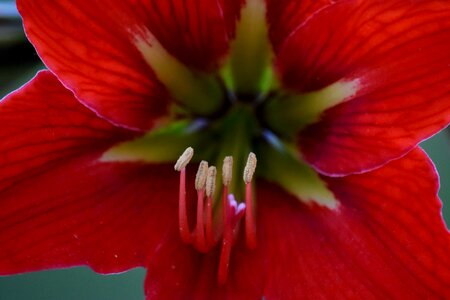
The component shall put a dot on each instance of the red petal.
(386, 241)
(399, 53)
(90, 47)
(60, 206)
(284, 16)
(177, 271)
(231, 10)
(42, 124)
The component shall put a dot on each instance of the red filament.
(209, 223)
(182, 213)
(250, 226)
(200, 241)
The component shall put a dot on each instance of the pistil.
(236, 212)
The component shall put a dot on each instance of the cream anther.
(202, 174)
(250, 167)
(211, 181)
(184, 159)
(227, 170)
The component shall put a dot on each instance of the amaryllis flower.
(305, 116)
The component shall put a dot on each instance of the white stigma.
(250, 167)
(184, 159)
(227, 170)
(202, 174)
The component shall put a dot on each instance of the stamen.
(210, 188)
(200, 178)
(200, 183)
(184, 159)
(250, 167)
(204, 237)
(250, 224)
(182, 213)
(227, 171)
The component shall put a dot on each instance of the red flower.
(353, 86)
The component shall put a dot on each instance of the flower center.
(209, 231)
(226, 115)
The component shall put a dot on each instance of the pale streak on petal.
(196, 90)
(296, 177)
(295, 111)
(315, 103)
(250, 52)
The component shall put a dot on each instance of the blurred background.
(19, 63)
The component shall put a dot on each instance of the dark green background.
(18, 63)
